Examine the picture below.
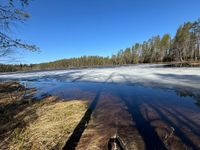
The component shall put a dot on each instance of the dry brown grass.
(52, 128)
(39, 125)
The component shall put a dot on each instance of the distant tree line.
(184, 46)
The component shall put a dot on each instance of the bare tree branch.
(9, 14)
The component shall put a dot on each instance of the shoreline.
(25, 121)
(167, 64)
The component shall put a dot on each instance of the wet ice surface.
(143, 74)
(150, 106)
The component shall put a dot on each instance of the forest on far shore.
(184, 46)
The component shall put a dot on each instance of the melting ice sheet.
(148, 101)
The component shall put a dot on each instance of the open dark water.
(144, 117)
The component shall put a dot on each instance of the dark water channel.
(144, 117)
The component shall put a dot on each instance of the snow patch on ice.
(138, 74)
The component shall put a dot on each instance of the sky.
(73, 28)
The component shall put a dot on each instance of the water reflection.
(146, 116)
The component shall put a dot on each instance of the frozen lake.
(151, 106)
(152, 75)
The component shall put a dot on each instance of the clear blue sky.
(72, 28)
